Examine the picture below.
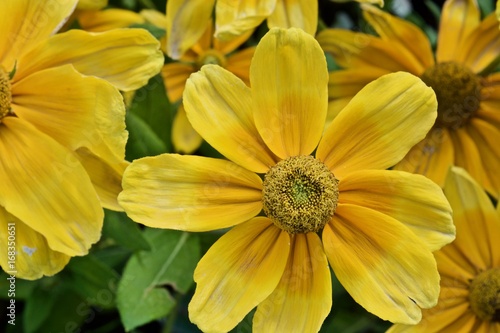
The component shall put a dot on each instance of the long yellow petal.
(289, 81)
(404, 33)
(92, 4)
(46, 187)
(411, 199)
(25, 252)
(25, 23)
(184, 138)
(220, 108)
(389, 277)
(189, 192)
(238, 272)
(104, 20)
(301, 14)
(348, 82)
(154, 17)
(226, 47)
(186, 22)
(174, 76)
(380, 125)
(458, 19)
(239, 64)
(303, 298)
(235, 17)
(127, 58)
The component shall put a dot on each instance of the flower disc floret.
(5, 93)
(300, 194)
(484, 295)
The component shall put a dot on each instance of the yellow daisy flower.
(62, 131)
(467, 128)
(470, 266)
(378, 226)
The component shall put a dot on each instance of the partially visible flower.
(91, 4)
(378, 226)
(467, 130)
(469, 267)
(62, 130)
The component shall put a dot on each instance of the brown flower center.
(5, 93)
(457, 91)
(213, 57)
(300, 194)
(484, 296)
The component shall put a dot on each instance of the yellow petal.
(454, 266)
(301, 14)
(432, 157)
(186, 22)
(25, 23)
(226, 47)
(40, 174)
(303, 297)
(348, 82)
(154, 17)
(91, 4)
(458, 19)
(104, 20)
(235, 17)
(404, 33)
(174, 76)
(239, 64)
(25, 252)
(334, 107)
(381, 263)
(184, 138)
(238, 272)
(220, 108)
(380, 125)
(477, 222)
(127, 58)
(289, 81)
(411, 199)
(376, 2)
(189, 192)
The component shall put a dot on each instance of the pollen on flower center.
(457, 91)
(484, 296)
(213, 57)
(300, 194)
(5, 93)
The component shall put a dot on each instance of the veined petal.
(239, 64)
(112, 18)
(384, 266)
(289, 81)
(402, 32)
(186, 22)
(174, 76)
(477, 222)
(127, 58)
(226, 47)
(25, 252)
(189, 192)
(348, 82)
(92, 4)
(303, 297)
(301, 14)
(238, 272)
(184, 138)
(458, 19)
(454, 266)
(235, 17)
(431, 157)
(26, 23)
(219, 106)
(411, 199)
(46, 178)
(380, 125)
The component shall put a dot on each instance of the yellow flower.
(467, 129)
(378, 226)
(470, 266)
(62, 131)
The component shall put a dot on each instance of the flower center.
(5, 93)
(300, 194)
(211, 57)
(484, 296)
(457, 91)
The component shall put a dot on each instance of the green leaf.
(124, 231)
(37, 310)
(142, 141)
(142, 296)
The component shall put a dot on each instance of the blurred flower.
(469, 267)
(467, 129)
(378, 226)
(62, 130)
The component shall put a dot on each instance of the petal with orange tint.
(220, 108)
(454, 268)
(458, 19)
(348, 82)
(239, 64)
(226, 47)
(184, 138)
(384, 266)
(175, 75)
(41, 174)
(411, 199)
(289, 81)
(380, 125)
(303, 298)
(301, 14)
(189, 192)
(238, 272)
(26, 23)
(104, 20)
(33, 257)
